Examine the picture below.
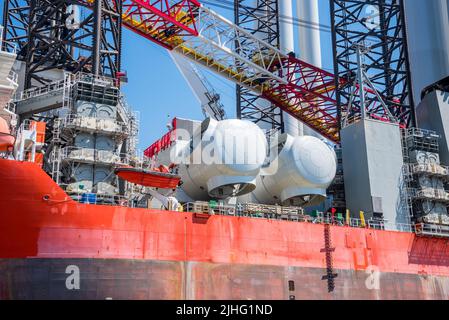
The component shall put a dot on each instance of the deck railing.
(41, 91)
(284, 214)
(102, 199)
(289, 214)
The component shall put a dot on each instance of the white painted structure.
(309, 37)
(201, 88)
(303, 170)
(286, 29)
(226, 161)
(309, 32)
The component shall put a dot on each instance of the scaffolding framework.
(260, 18)
(379, 25)
(64, 35)
(71, 54)
(424, 185)
(120, 127)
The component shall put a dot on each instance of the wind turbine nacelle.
(299, 176)
(221, 160)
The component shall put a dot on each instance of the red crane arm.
(306, 92)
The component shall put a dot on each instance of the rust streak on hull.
(149, 279)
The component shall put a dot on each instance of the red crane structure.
(306, 92)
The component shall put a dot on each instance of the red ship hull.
(125, 253)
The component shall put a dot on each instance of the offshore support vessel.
(135, 253)
(83, 218)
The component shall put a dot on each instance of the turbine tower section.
(55, 36)
(378, 25)
(261, 19)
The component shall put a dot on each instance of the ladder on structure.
(67, 92)
(328, 250)
(56, 153)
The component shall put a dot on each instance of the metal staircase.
(56, 152)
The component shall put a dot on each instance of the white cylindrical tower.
(428, 42)
(309, 38)
(292, 126)
(309, 31)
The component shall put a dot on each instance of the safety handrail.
(98, 123)
(284, 213)
(40, 91)
(89, 154)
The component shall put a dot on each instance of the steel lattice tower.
(64, 35)
(261, 18)
(15, 22)
(380, 25)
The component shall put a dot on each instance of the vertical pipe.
(238, 91)
(335, 62)
(118, 62)
(5, 24)
(309, 37)
(287, 43)
(361, 81)
(97, 37)
(30, 44)
(286, 26)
